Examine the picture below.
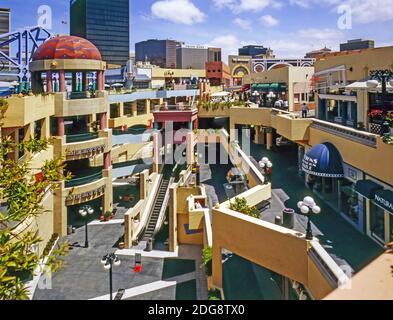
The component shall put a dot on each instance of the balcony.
(28, 109)
(86, 189)
(177, 113)
(80, 103)
(81, 137)
(82, 146)
(84, 180)
(293, 128)
(361, 137)
(131, 121)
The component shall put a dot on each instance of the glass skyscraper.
(106, 24)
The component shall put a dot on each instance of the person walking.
(304, 110)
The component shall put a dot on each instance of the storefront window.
(349, 202)
(391, 227)
(377, 216)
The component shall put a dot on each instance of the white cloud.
(297, 44)
(269, 21)
(363, 11)
(238, 6)
(245, 24)
(178, 11)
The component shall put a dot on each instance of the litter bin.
(289, 218)
(69, 230)
(278, 221)
(149, 245)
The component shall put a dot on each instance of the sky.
(290, 27)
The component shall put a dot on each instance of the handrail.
(325, 263)
(84, 180)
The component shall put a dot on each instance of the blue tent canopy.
(324, 160)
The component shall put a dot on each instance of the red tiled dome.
(67, 47)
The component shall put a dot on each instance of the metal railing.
(365, 138)
(81, 137)
(84, 180)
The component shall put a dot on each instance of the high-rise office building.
(5, 25)
(106, 24)
(256, 51)
(192, 57)
(357, 44)
(161, 53)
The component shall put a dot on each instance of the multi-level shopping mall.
(119, 147)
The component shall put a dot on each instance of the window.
(349, 203)
(377, 217)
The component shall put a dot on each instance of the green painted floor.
(186, 291)
(177, 267)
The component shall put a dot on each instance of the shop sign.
(384, 203)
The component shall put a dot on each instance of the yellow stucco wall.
(361, 62)
(376, 162)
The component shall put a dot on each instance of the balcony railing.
(80, 95)
(365, 138)
(81, 137)
(84, 180)
(164, 108)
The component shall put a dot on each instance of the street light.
(85, 212)
(108, 261)
(307, 206)
(266, 165)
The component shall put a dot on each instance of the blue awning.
(324, 160)
(367, 188)
(384, 199)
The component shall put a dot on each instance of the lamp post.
(266, 165)
(307, 206)
(108, 261)
(85, 212)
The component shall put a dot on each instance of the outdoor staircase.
(155, 214)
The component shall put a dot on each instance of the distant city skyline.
(290, 27)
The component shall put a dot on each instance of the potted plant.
(376, 116)
(107, 215)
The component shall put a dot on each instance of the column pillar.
(269, 140)
(257, 133)
(62, 85)
(107, 160)
(103, 121)
(49, 82)
(85, 81)
(108, 195)
(134, 108)
(147, 106)
(100, 80)
(121, 109)
(190, 125)
(60, 127)
(156, 151)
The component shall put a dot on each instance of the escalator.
(160, 205)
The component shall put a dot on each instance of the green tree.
(241, 205)
(21, 197)
(207, 256)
